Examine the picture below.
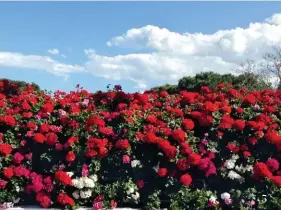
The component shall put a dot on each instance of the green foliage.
(186, 198)
(211, 79)
(171, 89)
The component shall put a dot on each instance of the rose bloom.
(8, 173)
(5, 149)
(140, 183)
(70, 157)
(162, 172)
(186, 179)
(39, 138)
(3, 184)
(126, 159)
(122, 144)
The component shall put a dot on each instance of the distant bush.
(212, 80)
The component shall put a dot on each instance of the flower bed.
(215, 149)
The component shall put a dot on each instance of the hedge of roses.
(216, 149)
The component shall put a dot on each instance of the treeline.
(246, 80)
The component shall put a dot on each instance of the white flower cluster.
(243, 169)
(85, 186)
(227, 198)
(135, 163)
(213, 201)
(230, 164)
(132, 193)
(234, 175)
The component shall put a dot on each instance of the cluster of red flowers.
(182, 135)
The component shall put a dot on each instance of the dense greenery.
(211, 79)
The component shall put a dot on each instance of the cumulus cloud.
(274, 19)
(54, 51)
(172, 55)
(175, 55)
(37, 62)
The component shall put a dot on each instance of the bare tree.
(250, 70)
(266, 71)
(272, 64)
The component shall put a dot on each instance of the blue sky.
(164, 53)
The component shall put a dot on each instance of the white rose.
(94, 178)
(88, 182)
(212, 199)
(134, 163)
(70, 174)
(78, 183)
(229, 164)
(85, 194)
(136, 196)
(130, 191)
(225, 196)
(76, 194)
(233, 175)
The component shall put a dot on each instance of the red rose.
(276, 180)
(43, 199)
(239, 110)
(8, 173)
(183, 164)
(151, 119)
(51, 139)
(272, 164)
(44, 128)
(64, 200)
(5, 149)
(186, 179)
(209, 107)
(171, 152)
(9, 120)
(250, 99)
(261, 170)
(62, 177)
(272, 137)
(95, 120)
(194, 159)
(252, 140)
(70, 156)
(239, 125)
(122, 144)
(3, 184)
(162, 172)
(178, 135)
(150, 138)
(47, 108)
(17, 158)
(140, 183)
(39, 138)
(59, 147)
(187, 124)
(232, 148)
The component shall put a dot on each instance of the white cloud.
(54, 51)
(274, 19)
(173, 55)
(37, 62)
(176, 55)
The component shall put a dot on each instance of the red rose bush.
(213, 149)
